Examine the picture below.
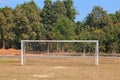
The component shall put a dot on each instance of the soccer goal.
(59, 48)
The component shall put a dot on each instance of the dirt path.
(9, 52)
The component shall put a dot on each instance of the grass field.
(60, 69)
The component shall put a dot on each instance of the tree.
(71, 12)
(63, 29)
(53, 11)
(47, 19)
(33, 14)
(98, 18)
(6, 25)
(115, 18)
(79, 26)
(59, 9)
(117, 14)
(22, 28)
(27, 22)
(46, 13)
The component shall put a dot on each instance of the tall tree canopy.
(56, 20)
(98, 18)
(27, 21)
(63, 29)
(6, 25)
(71, 12)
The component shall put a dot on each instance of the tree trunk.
(3, 44)
(57, 48)
(3, 41)
(84, 51)
(48, 48)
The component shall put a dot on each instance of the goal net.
(59, 49)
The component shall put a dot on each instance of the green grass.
(8, 60)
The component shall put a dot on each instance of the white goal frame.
(88, 41)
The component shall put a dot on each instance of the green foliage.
(59, 9)
(98, 18)
(71, 12)
(27, 22)
(63, 29)
(47, 19)
(56, 21)
(47, 13)
(6, 25)
(115, 18)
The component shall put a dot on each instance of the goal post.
(23, 47)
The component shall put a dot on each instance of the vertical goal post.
(23, 54)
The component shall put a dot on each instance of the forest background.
(56, 21)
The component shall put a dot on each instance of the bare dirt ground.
(76, 68)
(60, 69)
(9, 52)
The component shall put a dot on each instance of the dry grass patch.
(109, 69)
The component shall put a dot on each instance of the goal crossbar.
(89, 41)
(59, 41)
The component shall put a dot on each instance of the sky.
(83, 7)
